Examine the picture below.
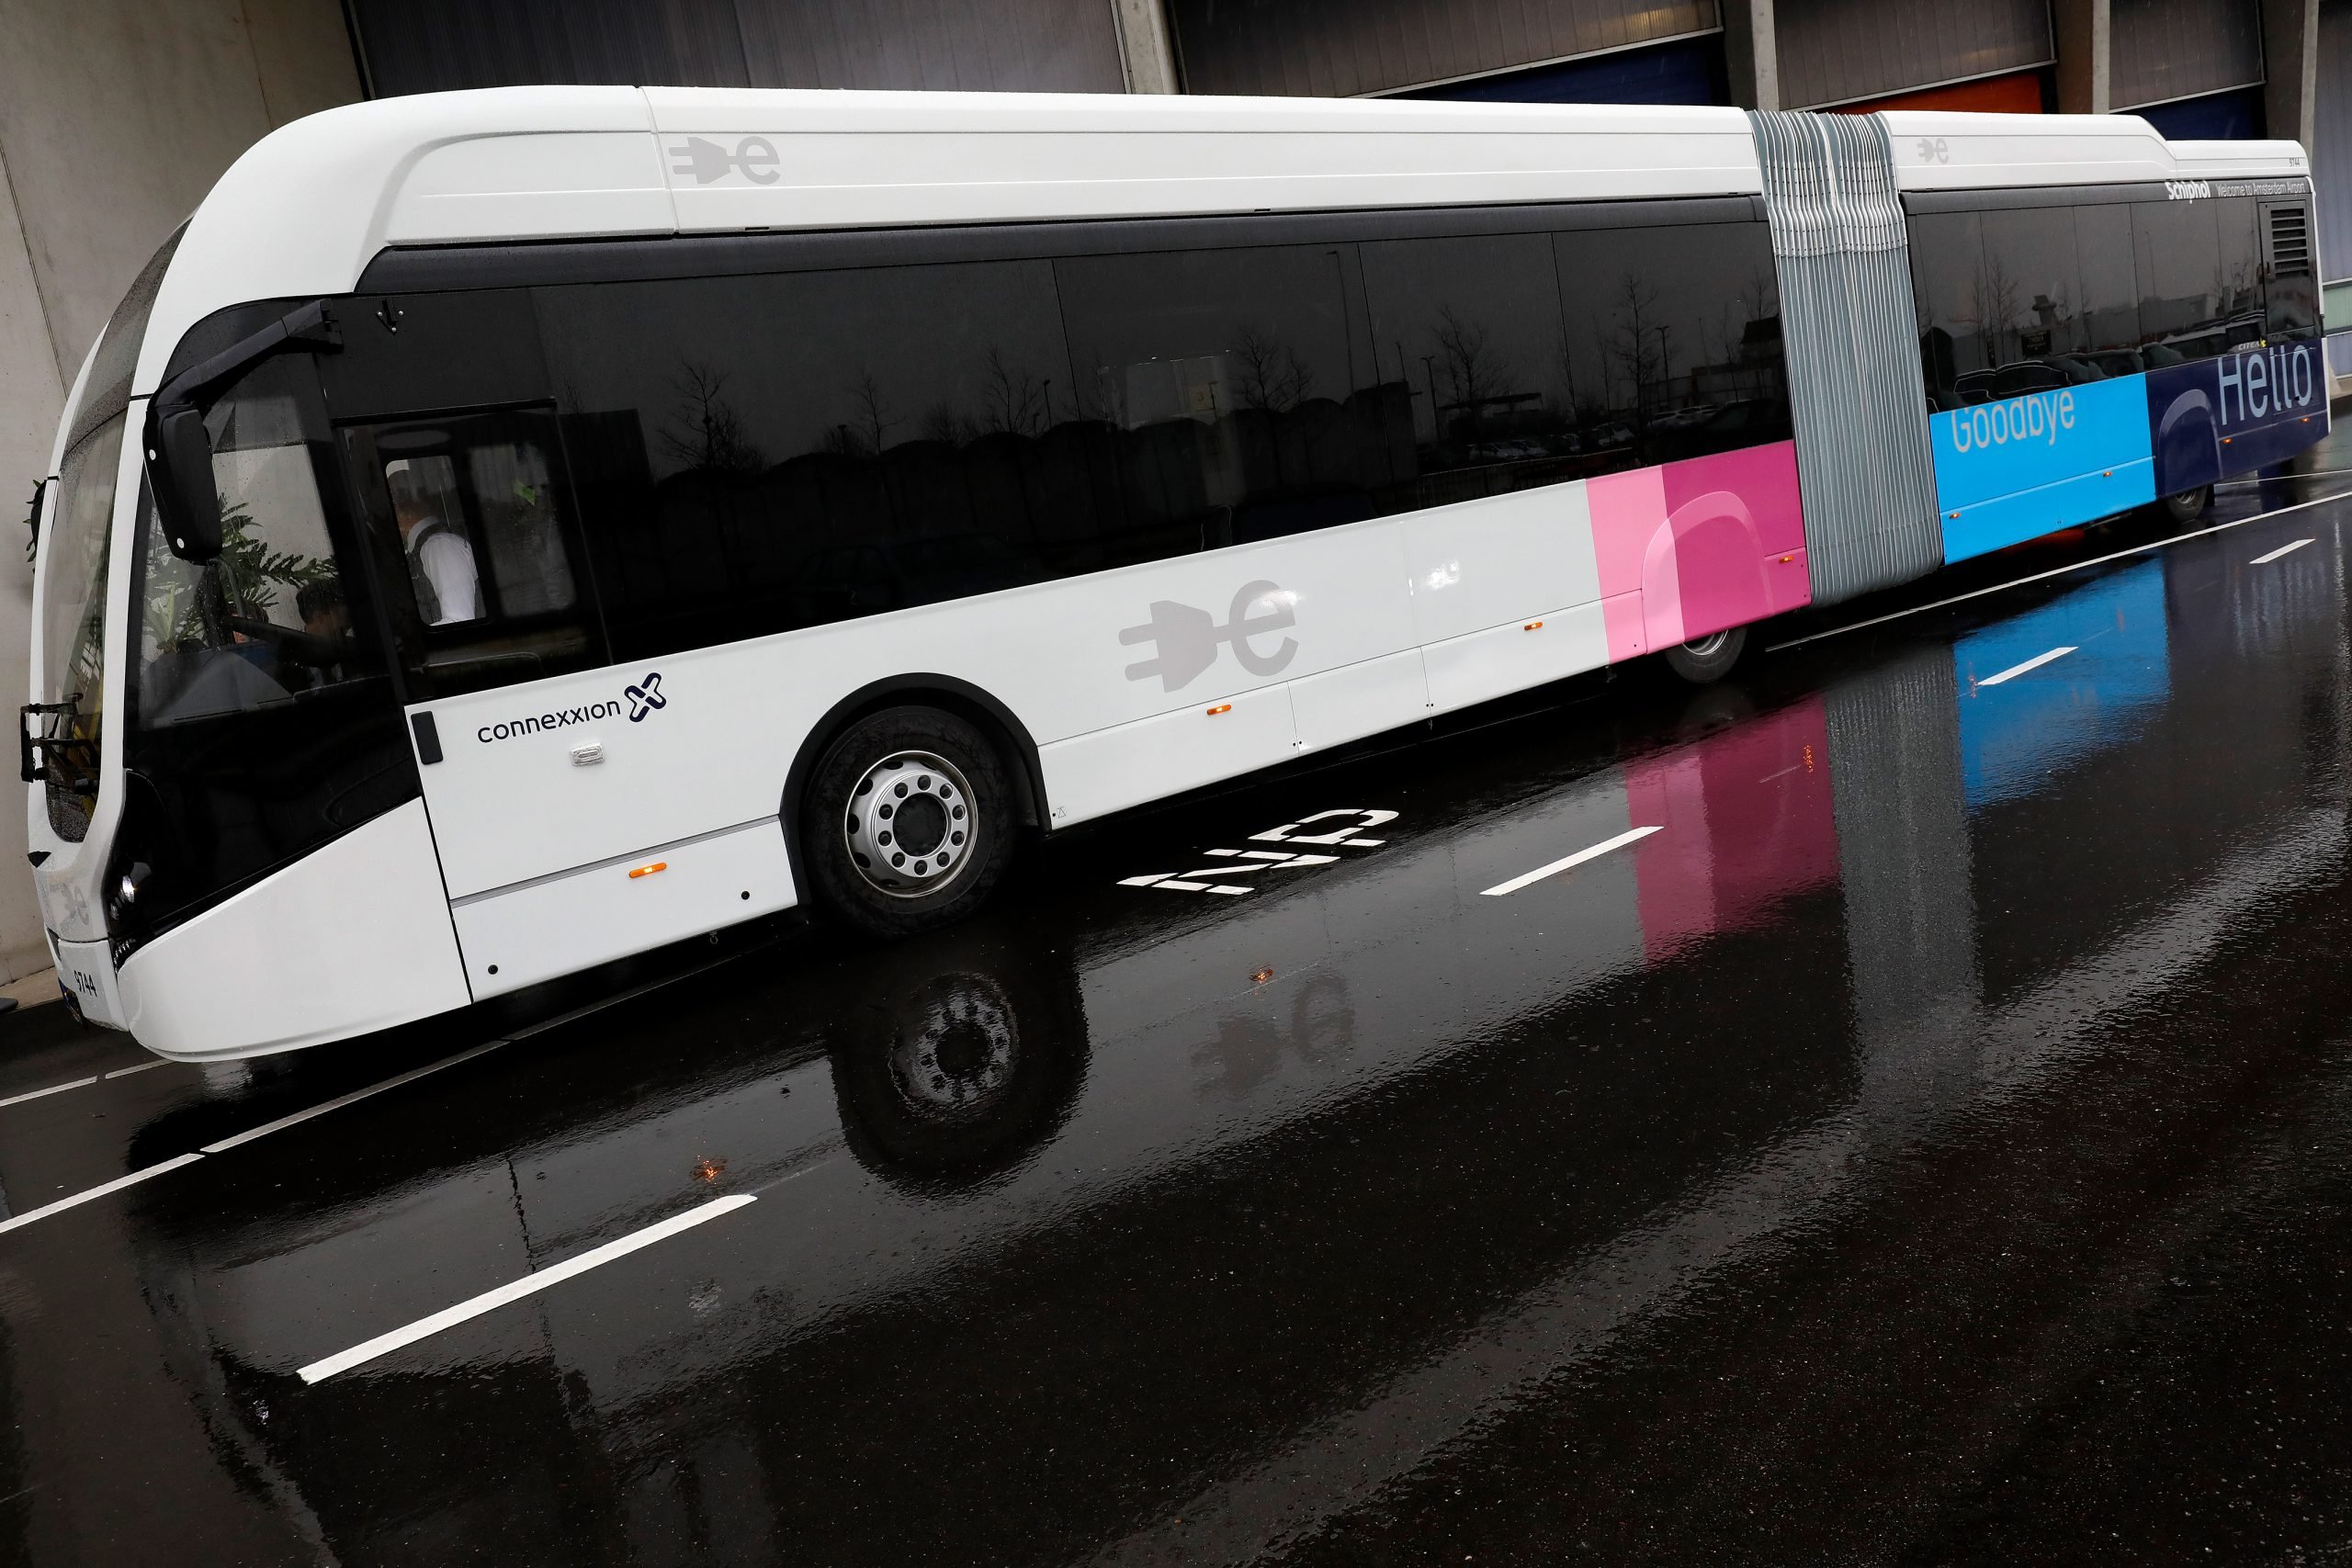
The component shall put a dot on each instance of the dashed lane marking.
(336, 1104)
(515, 1290)
(2036, 662)
(355, 1096)
(2281, 550)
(1502, 889)
(53, 1089)
(116, 1185)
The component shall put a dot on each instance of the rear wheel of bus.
(908, 822)
(2188, 505)
(1708, 659)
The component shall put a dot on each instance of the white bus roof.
(305, 210)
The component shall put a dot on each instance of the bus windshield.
(73, 558)
(266, 620)
(259, 719)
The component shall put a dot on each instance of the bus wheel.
(2188, 505)
(908, 822)
(1709, 657)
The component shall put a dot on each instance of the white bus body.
(631, 799)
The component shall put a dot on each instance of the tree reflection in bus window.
(266, 620)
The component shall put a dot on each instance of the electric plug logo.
(1187, 639)
(754, 158)
(643, 699)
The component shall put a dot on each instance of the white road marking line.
(515, 1290)
(2036, 662)
(1540, 872)
(340, 1101)
(2055, 571)
(53, 1089)
(2281, 550)
(1784, 773)
(116, 1185)
(126, 1072)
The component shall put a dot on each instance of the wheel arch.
(1016, 746)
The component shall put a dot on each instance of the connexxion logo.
(640, 700)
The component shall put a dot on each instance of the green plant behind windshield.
(248, 574)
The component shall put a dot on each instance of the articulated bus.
(502, 532)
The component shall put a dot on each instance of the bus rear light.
(636, 871)
(1221, 707)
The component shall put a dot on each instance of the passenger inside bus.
(440, 562)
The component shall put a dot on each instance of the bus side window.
(471, 547)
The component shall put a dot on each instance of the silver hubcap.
(1706, 647)
(910, 827)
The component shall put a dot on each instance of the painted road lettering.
(1341, 827)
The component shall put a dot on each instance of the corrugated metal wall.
(1337, 47)
(418, 46)
(2332, 140)
(1835, 51)
(2177, 48)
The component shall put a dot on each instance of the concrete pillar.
(116, 116)
(2290, 68)
(1147, 50)
(2086, 43)
(1751, 53)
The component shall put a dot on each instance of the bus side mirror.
(179, 472)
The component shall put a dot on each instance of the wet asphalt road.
(1932, 1144)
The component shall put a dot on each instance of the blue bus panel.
(2018, 469)
(2014, 469)
(2243, 411)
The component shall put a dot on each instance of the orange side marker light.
(1221, 707)
(1532, 627)
(636, 871)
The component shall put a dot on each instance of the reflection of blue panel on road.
(2234, 413)
(2013, 736)
(2018, 469)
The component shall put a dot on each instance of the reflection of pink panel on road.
(1746, 820)
(1702, 542)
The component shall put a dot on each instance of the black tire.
(958, 808)
(2188, 505)
(1709, 658)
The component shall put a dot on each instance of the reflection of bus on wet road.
(1095, 1175)
(808, 538)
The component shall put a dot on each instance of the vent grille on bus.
(2290, 242)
